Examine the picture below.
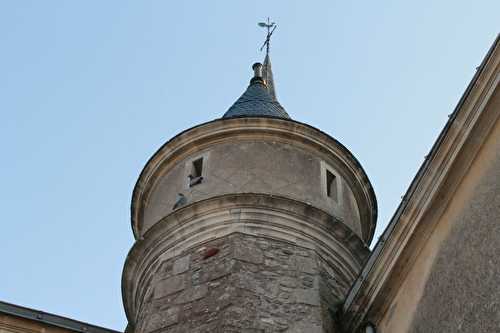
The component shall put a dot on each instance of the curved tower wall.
(262, 243)
(260, 160)
(251, 165)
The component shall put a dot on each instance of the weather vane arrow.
(270, 26)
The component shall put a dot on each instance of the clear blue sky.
(90, 89)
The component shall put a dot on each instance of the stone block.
(162, 319)
(302, 327)
(309, 281)
(263, 244)
(181, 265)
(306, 264)
(192, 294)
(169, 286)
(306, 296)
(249, 254)
(288, 282)
(216, 270)
(204, 328)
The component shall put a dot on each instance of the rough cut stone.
(307, 296)
(163, 319)
(253, 255)
(192, 294)
(305, 327)
(181, 265)
(169, 286)
(306, 265)
(240, 291)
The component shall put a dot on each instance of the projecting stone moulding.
(280, 262)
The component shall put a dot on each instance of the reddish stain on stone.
(210, 252)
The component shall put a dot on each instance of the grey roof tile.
(256, 101)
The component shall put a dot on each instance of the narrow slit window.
(195, 177)
(331, 185)
(197, 167)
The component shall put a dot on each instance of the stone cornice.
(253, 214)
(249, 128)
(427, 197)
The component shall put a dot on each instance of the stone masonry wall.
(241, 283)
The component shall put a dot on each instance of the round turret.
(250, 222)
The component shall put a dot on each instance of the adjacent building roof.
(406, 232)
(51, 319)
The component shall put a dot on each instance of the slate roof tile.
(256, 101)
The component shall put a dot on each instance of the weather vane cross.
(270, 26)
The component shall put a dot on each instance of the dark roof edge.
(51, 319)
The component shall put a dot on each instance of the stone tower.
(249, 223)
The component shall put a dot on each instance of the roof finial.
(270, 26)
(267, 73)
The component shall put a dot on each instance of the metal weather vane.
(270, 26)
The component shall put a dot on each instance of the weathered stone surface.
(306, 265)
(181, 265)
(237, 290)
(462, 293)
(170, 286)
(162, 319)
(307, 296)
(301, 327)
(288, 282)
(192, 294)
(250, 254)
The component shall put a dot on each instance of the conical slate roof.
(259, 99)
